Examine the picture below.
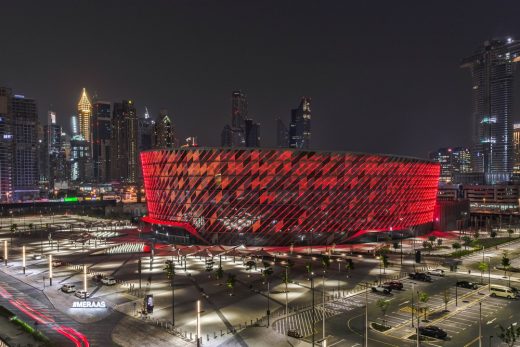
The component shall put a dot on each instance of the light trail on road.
(79, 339)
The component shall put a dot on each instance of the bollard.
(207, 337)
(190, 335)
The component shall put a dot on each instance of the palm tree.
(510, 232)
(446, 298)
(506, 262)
(383, 306)
(483, 267)
(31, 227)
(249, 266)
(14, 226)
(169, 268)
(510, 335)
(424, 297)
(231, 283)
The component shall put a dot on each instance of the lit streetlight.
(23, 259)
(50, 269)
(5, 252)
(199, 337)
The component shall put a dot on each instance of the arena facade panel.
(277, 197)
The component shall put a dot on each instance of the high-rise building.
(84, 115)
(300, 127)
(492, 70)
(6, 146)
(238, 109)
(516, 148)
(252, 132)
(52, 153)
(146, 131)
(100, 144)
(282, 134)
(79, 158)
(124, 142)
(453, 161)
(25, 155)
(164, 131)
(226, 136)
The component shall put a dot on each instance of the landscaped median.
(10, 318)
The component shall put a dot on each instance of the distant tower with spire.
(84, 115)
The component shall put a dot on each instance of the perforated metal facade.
(283, 196)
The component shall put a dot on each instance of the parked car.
(381, 289)
(68, 288)
(82, 294)
(467, 285)
(394, 285)
(97, 278)
(37, 256)
(420, 276)
(436, 272)
(295, 334)
(109, 281)
(433, 331)
(503, 291)
(57, 263)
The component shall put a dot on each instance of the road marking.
(404, 302)
(491, 321)
(335, 343)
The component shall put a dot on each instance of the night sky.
(384, 76)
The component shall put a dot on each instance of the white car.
(68, 288)
(109, 281)
(37, 256)
(82, 294)
(436, 272)
(381, 289)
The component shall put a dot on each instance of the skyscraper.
(300, 127)
(84, 115)
(52, 153)
(101, 134)
(25, 155)
(234, 135)
(145, 131)
(6, 146)
(164, 131)
(282, 134)
(492, 70)
(252, 133)
(124, 151)
(453, 161)
(516, 148)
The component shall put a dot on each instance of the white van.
(502, 291)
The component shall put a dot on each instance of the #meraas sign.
(89, 304)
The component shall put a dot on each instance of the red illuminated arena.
(284, 196)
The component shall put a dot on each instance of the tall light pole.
(198, 324)
(23, 259)
(323, 304)
(5, 252)
(50, 269)
(286, 298)
(313, 317)
(480, 324)
(85, 281)
(268, 308)
(413, 289)
(366, 314)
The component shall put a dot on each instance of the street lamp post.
(50, 269)
(323, 304)
(490, 338)
(23, 259)
(198, 324)
(366, 314)
(85, 281)
(480, 324)
(413, 289)
(313, 318)
(286, 299)
(268, 311)
(5, 252)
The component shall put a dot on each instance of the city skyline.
(348, 112)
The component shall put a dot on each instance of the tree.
(509, 335)
(219, 274)
(325, 261)
(396, 245)
(268, 271)
(286, 275)
(14, 226)
(493, 234)
(466, 241)
(384, 262)
(231, 283)
(476, 235)
(432, 238)
(308, 267)
(456, 246)
(506, 262)
(169, 268)
(510, 232)
(383, 306)
(439, 242)
(423, 298)
(428, 245)
(446, 298)
(483, 267)
(209, 265)
(31, 227)
(249, 265)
